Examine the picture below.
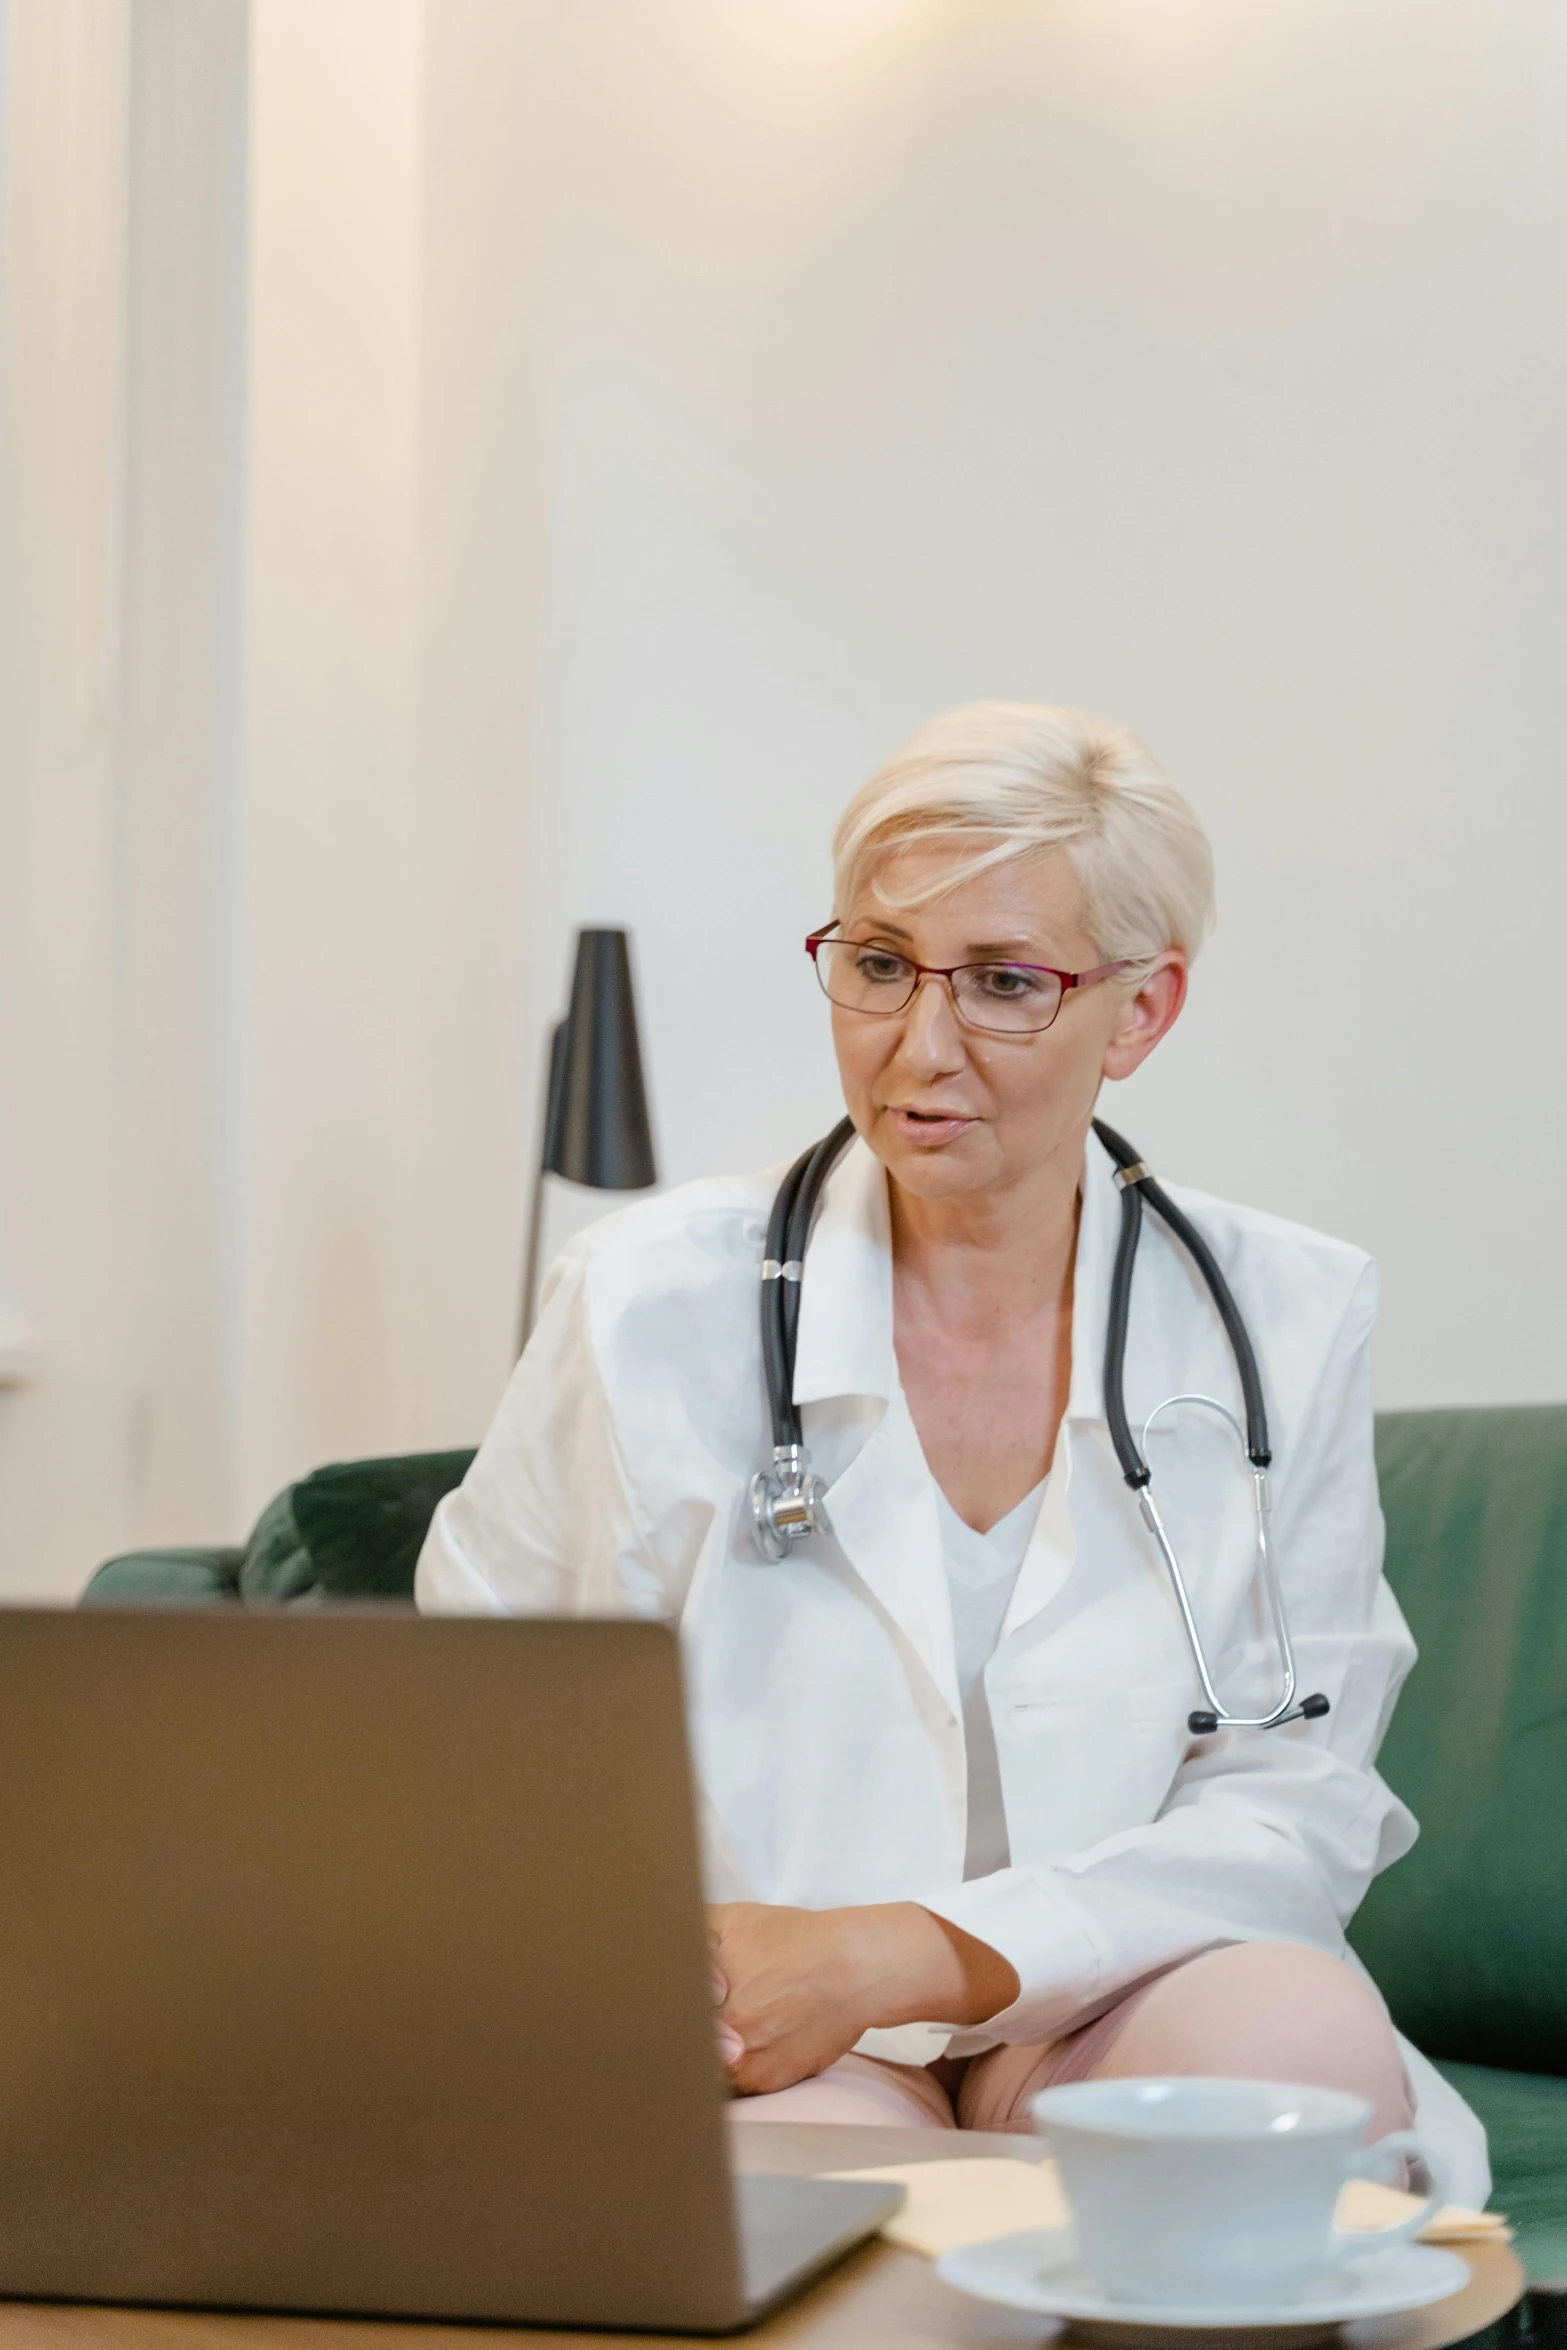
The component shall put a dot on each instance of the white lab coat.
(825, 1714)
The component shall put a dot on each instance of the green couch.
(1467, 1936)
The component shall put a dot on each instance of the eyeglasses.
(1002, 999)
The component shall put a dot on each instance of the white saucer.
(1038, 2270)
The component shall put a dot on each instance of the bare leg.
(857, 2089)
(1261, 2011)
(1269, 2011)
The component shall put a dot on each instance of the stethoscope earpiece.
(1310, 1709)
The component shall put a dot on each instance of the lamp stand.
(549, 1118)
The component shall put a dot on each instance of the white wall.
(475, 468)
(1197, 362)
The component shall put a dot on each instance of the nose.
(932, 1039)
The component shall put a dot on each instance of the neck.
(1010, 1247)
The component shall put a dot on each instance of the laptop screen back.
(356, 1962)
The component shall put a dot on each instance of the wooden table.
(878, 2296)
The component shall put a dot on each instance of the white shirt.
(826, 1715)
(982, 1572)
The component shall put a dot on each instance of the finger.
(731, 2048)
(720, 1983)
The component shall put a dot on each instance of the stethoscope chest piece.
(786, 1502)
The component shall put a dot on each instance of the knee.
(1272, 2010)
(1279, 1982)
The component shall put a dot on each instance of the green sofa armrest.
(1467, 1935)
(353, 1530)
(166, 1578)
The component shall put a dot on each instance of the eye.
(880, 966)
(1006, 983)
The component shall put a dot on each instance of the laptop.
(357, 1962)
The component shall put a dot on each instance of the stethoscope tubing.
(783, 1271)
(1136, 1184)
(1149, 1509)
(786, 1499)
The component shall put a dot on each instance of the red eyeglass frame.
(949, 972)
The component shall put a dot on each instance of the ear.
(1147, 1015)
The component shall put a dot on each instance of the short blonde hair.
(1004, 778)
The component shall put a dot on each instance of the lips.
(932, 1127)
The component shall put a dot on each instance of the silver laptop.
(354, 1962)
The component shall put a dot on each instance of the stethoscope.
(786, 1500)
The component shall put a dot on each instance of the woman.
(965, 1842)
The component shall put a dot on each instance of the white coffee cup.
(1206, 2192)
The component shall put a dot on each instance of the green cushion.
(1467, 1936)
(173, 1578)
(1525, 2117)
(351, 1531)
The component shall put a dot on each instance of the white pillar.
(120, 249)
(331, 835)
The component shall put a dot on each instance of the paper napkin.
(947, 2204)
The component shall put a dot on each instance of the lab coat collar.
(1098, 1230)
(844, 1344)
(1052, 1554)
(882, 1508)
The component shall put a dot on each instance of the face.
(949, 1109)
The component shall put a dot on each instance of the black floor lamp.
(595, 1105)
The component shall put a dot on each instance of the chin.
(934, 1174)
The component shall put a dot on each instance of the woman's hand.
(801, 1985)
(730, 2045)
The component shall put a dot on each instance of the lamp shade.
(596, 1126)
